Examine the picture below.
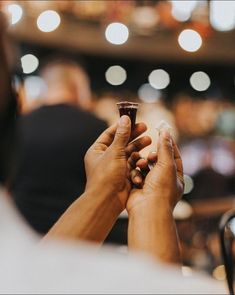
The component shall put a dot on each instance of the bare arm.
(152, 227)
(90, 218)
(154, 234)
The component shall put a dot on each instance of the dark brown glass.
(129, 109)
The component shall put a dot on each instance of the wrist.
(151, 207)
(105, 198)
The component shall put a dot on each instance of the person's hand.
(163, 185)
(110, 160)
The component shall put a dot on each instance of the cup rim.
(128, 103)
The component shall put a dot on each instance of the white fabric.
(26, 267)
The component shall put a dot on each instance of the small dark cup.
(129, 109)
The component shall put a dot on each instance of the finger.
(106, 138)
(178, 160)
(142, 163)
(133, 160)
(139, 129)
(123, 133)
(138, 145)
(152, 156)
(165, 149)
(136, 177)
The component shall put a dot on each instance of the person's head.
(67, 82)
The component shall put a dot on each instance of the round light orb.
(188, 184)
(148, 94)
(222, 15)
(159, 79)
(182, 10)
(219, 273)
(183, 210)
(190, 40)
(115, 75)
(48, 21)
(117, 33)
(29, 63)
(200, 81)
(15, 12)
(34, 87)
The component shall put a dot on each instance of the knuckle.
(122, 133)
(118, 153)
(168, 165)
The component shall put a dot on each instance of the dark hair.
(8, 112)
(8, 117)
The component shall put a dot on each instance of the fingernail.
(124, 121)
(165, 134)
(153, 152)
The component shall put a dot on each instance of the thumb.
(165, 149)
(123, 132)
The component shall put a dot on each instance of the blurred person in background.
(53, 141)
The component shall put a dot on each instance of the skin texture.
(110, 166)
(92, 216)
(151, 224)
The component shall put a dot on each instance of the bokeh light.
(159, 79)
(223, 160)
(232, 225)
(117, 33)
(34, 87)
(183, 210)
(219, 273)
(116, 75)
(29, 63)
(200, 81)
(182, 10)
(188, 184)
(226, 123)
(48, 21)
(187, 271)
(190, 40)
(222, 15)
(148, 94)
(145, 17)
(15, 12)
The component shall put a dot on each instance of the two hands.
(111, 164)
(114, 183)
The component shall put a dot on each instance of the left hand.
(108, 160)
(164, 184)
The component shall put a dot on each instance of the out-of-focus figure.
(54, 139)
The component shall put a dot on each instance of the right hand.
(164, 184)
(107, 166)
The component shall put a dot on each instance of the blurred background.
(177, 59)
